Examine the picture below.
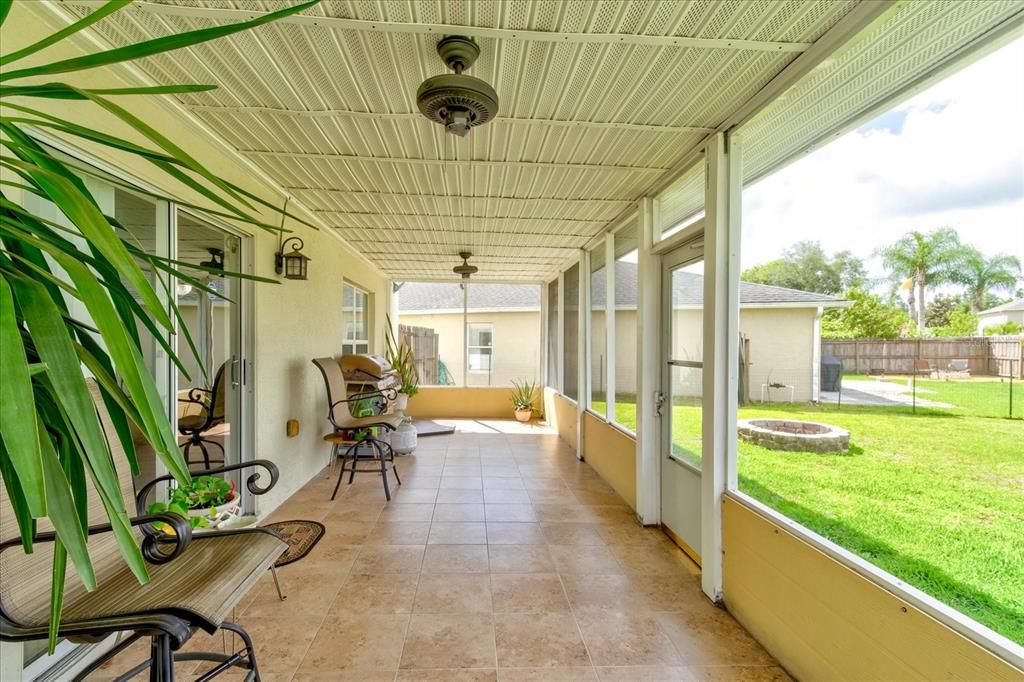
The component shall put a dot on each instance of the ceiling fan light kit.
(465, 269)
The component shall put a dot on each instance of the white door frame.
(721, 225)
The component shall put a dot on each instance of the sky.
(952, 155)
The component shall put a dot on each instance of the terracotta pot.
(524, 415)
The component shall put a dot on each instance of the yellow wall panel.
(822, 620)
(612, 454)
(473, 402)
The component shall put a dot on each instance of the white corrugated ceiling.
(599, 100)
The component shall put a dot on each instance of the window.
(626, 286)
(355, 320)
(553, 333)
(571, 323)
(481, 347)
(598, 350)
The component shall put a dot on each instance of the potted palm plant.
(49, 431)
(403, 361)
(523, 393)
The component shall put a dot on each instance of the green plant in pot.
(206, 500)
(402, 359)
(523, 394)
(52, 445)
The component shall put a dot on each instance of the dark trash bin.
(831, 373)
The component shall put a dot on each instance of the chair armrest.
(252, 483)
(198, 396)
(151, 545)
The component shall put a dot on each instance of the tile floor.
(501, 557)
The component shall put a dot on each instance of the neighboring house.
(781, 325)
(1008, 312)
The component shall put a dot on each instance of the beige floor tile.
(393, 513)
(451, 593)
(440, 641)
(538, 640)
(645, 673)
(562, 513)
(571, 534)
(510, 513)
(398, 533)
(577, 674)
(352, 512)
(459, 513)
(413, 495)
(651, 560)
(626, 639)
(367, 642)
(503, 483)
(457, 534)
(545, 483)
(520, 559)
(584, 559)
(710, 637)
(429, 482)
(499, 496)
(449, 675)
(280, 642)
(603, 594)
(346, 676)
(514, 534)
(342, 533)
(380, 559)
(460, 495)
(461, 482)
(388, 593)
(472, 470)
(310, 589)
(528, 593)
(549, 496)
(455, 559)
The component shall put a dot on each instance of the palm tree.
(981, 275)
(928, 258)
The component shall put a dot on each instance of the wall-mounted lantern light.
(292, 264)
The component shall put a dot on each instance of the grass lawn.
(936, 498)
(981, 397)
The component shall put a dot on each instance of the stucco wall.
(516, 353)
(474, 402)
(612, 453)
(994, 319)
(294, 321)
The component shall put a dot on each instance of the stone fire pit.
(792, 435)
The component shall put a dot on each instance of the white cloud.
(957, 160)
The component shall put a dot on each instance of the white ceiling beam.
(448, 29)
(468, 216)
(539, 165)
(415, 116)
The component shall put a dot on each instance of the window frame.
(470, 347)
(354, 344)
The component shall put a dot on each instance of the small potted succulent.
(523, 393)
(208, 501)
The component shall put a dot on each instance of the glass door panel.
(682, 393)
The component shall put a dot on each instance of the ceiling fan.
(465, 269)
(456, 100)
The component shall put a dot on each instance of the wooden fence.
(987, 355)
(424, 344)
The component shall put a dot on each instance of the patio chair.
(211, 413)
(959, 369)
(195, 581)
(355, 433)
(926, 367)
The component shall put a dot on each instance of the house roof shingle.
(689, 290)
(1005, 308)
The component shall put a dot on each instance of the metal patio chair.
(212, 403)
(341, 418)
(195, 581)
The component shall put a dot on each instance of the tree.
(938, 311)
(981, 275)
(961, 323)
(928, 258)
(868, 318)
(806, 266)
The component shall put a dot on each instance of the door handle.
(659, 403)
(235, 382)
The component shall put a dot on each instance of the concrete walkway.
(880, 394)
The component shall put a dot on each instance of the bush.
(1008, 328)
